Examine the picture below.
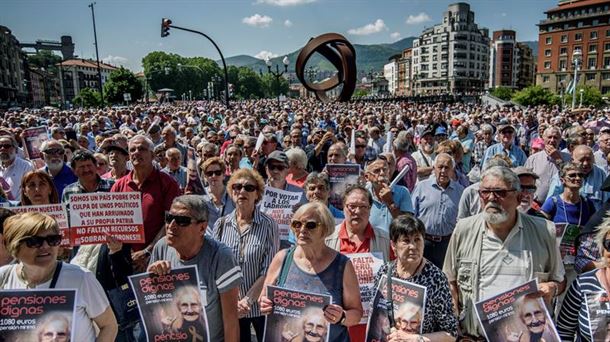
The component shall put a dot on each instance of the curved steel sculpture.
(340, 53)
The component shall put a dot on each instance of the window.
(564, 38)
(562, 64)
(563, 51)
(607, 47)
(607, 62)
(547, 65)
(593, 34)
(549, 40)
(545, 79)
(578, 48)
(590, 77)
(578, 36)
(592, 48)
(561, 78)
(606, 76)
(607, 33)
(547, 53)
(591, 62)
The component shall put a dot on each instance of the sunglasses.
(181, 221)
(606, 244)
(274, 167)
(574, 175)
(54, 151)
(216, 173)
(309, 225)
(38, 241)
(248, 187)
(6, 146)
(360, 146)
(528, 188)
(500, 193)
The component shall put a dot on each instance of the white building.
(390, 73)
(78, 74)
(452, 56)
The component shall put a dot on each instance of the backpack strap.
(286, 267)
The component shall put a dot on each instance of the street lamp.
(277, 73)
(576, 55)
(581, 92)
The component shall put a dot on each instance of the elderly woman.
(407, 241)
(254, 239)
(232, 156)
(585, 291)
(33, 240)
(218, 200)
(297, 167)
(37, 189)
(313, 267)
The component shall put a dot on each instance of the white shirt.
(13, 175)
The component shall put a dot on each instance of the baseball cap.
(277, 156)
(524, 171)
(440, 130)
(506, 126)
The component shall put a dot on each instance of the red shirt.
(158, 191)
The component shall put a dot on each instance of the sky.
(127, 30)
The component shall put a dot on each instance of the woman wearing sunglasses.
(254, 239)
(33, 240)
(313, 267)
(588, 290)
(216, 197)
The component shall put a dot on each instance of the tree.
(44, 59)
(88, 98)
(249, 84)
(503, 93)
(119, 82)
(274, 87)
(591, 96)
(535, 95)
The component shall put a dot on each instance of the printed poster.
(56, 211)
(340, 177)
(32, 141)
(598, 307)
(94, 215)
(366, 266)
(171, 305)
(296, 316)
(279, 205)
(37, 315)
(517, 314)
(409, 301)
(566, 238)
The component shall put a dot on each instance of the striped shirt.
(253, 248)
(573, 318)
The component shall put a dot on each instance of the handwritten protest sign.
(279, 205)
(94, 215)
(517, 314)
(57, 212)
(598, 307)
(32, 141)
(340, 176)
(172, 306)
(366, 266)
(293, 311)
(25, 315)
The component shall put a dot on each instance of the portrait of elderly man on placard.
(187, 315)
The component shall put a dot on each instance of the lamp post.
(581, 92)
(576, 60)
(277, 73)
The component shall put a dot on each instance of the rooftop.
(86, 63)
(570, 4)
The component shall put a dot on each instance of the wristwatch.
(343, 317)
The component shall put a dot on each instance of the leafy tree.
(44, 59)
(119, 82)
(503, 93)
(249, 84)
(274, 87)
(88, 98)
(360, 93)
(535, 95)
(591, 96)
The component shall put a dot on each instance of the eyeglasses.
(530, 189)
(54, 151)
(6, 146)
(309, 225)
(574, 175)
(38, 241)
(181, 221)
(360, 146)
(248, 187)
(354, 207)
(606, 244)
(274, 167)
(500, 193)
(211, 173)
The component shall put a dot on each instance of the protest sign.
(27, 315)
(296, 313)
(32, 141)
(566, 237)
(409, 301)
(279, 204)
(366, 266)
(517, 314)
(340, 176)
(598, 308)
(194, 186)
(57, 212)
(94, 215)
(172, 306)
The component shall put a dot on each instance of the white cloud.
(264, 54)
(503, 14)
(395, 35)
(367, 29)
(288, 23)
(115, 60)
(257, 20)
(418, 19)
(284, 3)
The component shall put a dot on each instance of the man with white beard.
(527, 179)
(12, 167)
(53, 154)
(500, 248)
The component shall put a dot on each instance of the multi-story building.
(13, 85)
(390, 72)
(452, 56)
(576, 25)
(510, 62)
(404, 74)
(78, 74)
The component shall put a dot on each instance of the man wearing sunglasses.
(53, 154)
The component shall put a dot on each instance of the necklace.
(31, 285)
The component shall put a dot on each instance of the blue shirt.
(62, 179)
(326, 124)
(562, 212)
(591, 187)
(380, 215)
(437, 207)
(516, 154)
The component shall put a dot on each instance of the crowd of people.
(463, 199)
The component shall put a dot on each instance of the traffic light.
(165, 24)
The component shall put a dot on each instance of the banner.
(36, 314)
(340, 176)
(32, 141)
(598, 308)
(566, 235)
(94, 215)
(518, 314)
(279, 205)
(366, 266)
(56, 211)
(296, 314)
(172, 306)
